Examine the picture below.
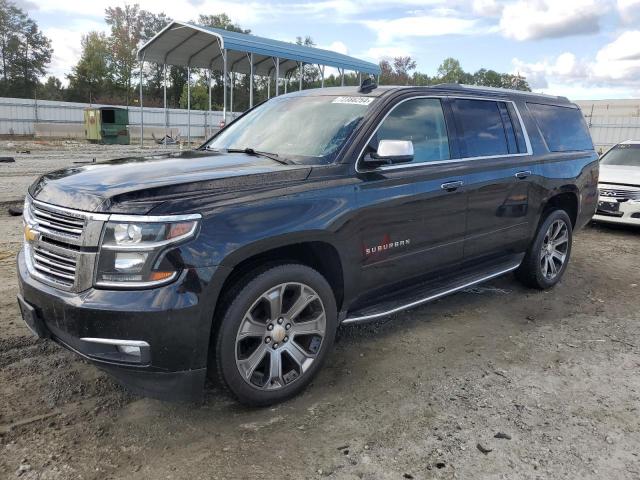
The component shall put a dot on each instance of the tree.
(220, 21)
(52, 90)
(402, 67)
(450, 71)
(24, 50)
(126, 32)
(93, 74)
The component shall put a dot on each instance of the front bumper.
(627, 212)
(174, 322)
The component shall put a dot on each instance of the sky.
(582, 49)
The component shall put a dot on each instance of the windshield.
(626, 154)
(305, 129)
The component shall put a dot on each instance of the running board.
(384, 309)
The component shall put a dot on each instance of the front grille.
(63, 250)
(57, 222)
(59, 268)
(620, 193)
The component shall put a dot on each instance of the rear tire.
(275, 334)
(548, 256)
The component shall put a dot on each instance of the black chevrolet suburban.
(241, 258)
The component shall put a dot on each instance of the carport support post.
(301, 72)
(233, 80)
(209, 111)
(342, 78)
(277, 74)
(141, 109)
(321, 68)
(166, 113)
(251, 81)
(224, 86)
(189, 105)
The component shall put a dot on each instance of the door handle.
(451, 186)
(523, 175)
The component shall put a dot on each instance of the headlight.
(132, 252)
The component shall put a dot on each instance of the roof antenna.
(367, 85)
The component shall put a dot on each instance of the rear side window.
(563, 128)
(486, 128)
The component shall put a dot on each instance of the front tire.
(548, 256)
(275, 334)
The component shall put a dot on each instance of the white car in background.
(619, 185)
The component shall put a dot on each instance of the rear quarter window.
(563, 128)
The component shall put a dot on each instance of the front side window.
(304, 129)
(420, 120)
(481, 128)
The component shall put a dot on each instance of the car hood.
(137, 184)
(620, 174)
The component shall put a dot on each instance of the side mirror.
(390, 152)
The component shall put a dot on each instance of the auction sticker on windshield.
(354, 100)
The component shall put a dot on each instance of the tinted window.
(480, 128)
(306, 129)
(420, 120)
(563, 128)
(627, 154)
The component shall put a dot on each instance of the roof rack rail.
(462, 86)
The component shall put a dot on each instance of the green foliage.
(126, 33)
(92, 78)
(24, 52)
(52, 90)
(449, 71)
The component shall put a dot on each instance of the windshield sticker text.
(354, 100)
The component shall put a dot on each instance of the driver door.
(412, 220)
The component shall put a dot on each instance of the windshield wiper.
(256, 153)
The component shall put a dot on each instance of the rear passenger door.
(498, 177)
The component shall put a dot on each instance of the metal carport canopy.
(190, 45)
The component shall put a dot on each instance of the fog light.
(129, 350)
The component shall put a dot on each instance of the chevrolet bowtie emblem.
(30, 234)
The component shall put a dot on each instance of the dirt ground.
(424, 394)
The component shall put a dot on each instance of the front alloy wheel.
(280, 336)
(275, 333)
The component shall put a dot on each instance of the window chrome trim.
(525, 133)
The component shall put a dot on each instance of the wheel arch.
(565, 198)
(320, 254)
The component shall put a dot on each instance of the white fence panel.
(19, 116)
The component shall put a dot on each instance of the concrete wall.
(65, 119)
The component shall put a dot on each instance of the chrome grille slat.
(54, 273)
(57, 222)
(53, 264)
(75, 231)
(58, 218)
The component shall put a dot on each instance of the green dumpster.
(107, 125)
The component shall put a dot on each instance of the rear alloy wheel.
(548, 256)
(275, 334)
(554, 249)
